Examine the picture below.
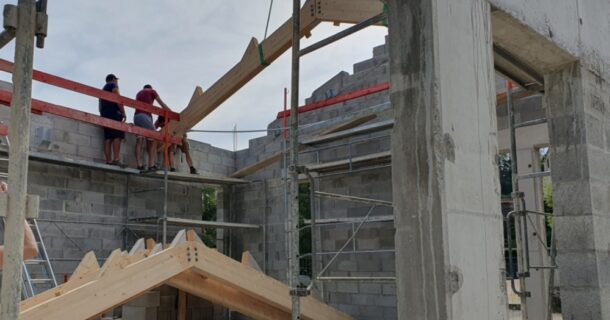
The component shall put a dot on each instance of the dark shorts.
(111, 134)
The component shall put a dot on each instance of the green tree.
(209, 214)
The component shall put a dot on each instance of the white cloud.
(176, 45)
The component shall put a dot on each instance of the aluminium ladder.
(38, 275)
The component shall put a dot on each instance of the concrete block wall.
(83, 209)
(263, 201)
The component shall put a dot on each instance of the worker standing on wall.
(114, 111)
(30, 250)
(144, 119)
(184, 147)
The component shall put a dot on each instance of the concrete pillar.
(579, 115)
(449, 245)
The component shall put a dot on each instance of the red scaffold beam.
(338, 99)
(41, 106)
(56, 81)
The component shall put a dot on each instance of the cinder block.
(147, 300)
(139, 313)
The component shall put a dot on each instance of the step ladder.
(38, 275)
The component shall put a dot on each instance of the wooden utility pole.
(19, 129)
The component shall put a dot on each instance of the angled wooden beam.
(115, 288)
(248, 170)
(150, 244)
(349, 124)
(87, 271)
(219, 267)
(139, 245)
(179, 238)
(226, 296)
(248, 260)
(112, 262)
(348, 11)
(250, 65)
(86, 265)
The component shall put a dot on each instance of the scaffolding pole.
(18, 160)
(518, 208)
(293, 215)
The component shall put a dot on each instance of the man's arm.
(158, 98)
(121, 107)
(30, 248)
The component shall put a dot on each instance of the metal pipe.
(530, 123)
(516, 195)
(19, 127)
(342, 34)
(165, 205)
(357, 278)
(368, 214)
(293, 247)
(5, 37)
(312, 212)
(354, 199)
(534, 175)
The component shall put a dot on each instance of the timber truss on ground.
(186, 264)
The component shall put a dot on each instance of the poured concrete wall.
(445, 183)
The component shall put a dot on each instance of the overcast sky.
(176, 45)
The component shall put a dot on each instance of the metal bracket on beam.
(10, 17)
(41, 23)
(31, 208)
(300, 292)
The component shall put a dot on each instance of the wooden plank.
(348, 124)
(247, 68)
(371, 159)
(112, 262)
(373, 127)
(150, 244)
(226, 296)
(248, 170)
(59, 82)
(217, 266)
(179, 238)
(348, 11)
(248, 260)
(87, 271)
(108, 292)
(138, 246)
(88, 263)
(181, 305)
(42, 106)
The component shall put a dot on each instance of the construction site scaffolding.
(520, 218)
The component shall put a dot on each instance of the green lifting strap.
(261, 56)
(386, 11)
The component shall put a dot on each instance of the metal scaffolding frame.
(521, 218)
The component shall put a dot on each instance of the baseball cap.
(111, 77)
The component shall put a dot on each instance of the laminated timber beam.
(258, 55)
(188, 265)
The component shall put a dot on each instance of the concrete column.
(578, 103)
(449, 258)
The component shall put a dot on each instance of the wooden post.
(181, 305)
(18, 160)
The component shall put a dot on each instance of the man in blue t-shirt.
(114, 111)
